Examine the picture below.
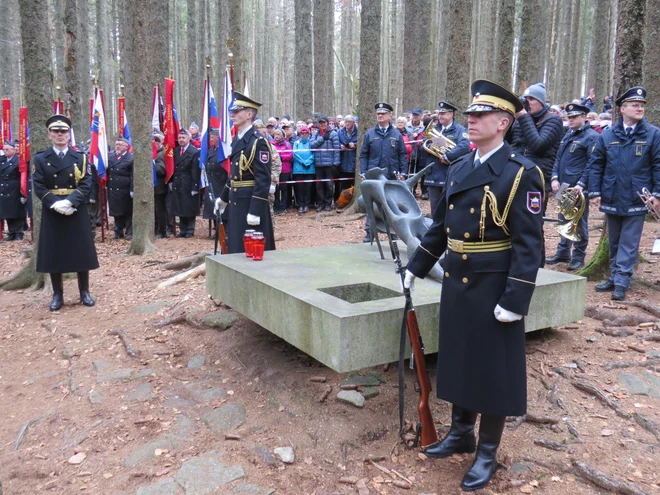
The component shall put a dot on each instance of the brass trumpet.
(571, 206)
(646, 196)
(435, 143)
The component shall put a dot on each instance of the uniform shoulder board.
(522, 161)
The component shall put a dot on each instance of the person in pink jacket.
(283, 191)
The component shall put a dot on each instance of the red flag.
(121, 107)
(6, 119)
(91, 110)
(23, 148)
(170, 130)
(58, 107)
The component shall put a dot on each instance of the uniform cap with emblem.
(12, 144)
(184, 131)
(636, 93)
(383, 107)
(242, 102)
(58, 123)
(574, 109)
(122, 139)
(488, 96)
(444, 106)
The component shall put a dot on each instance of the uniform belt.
(62, 192)
(243, 183)
(478, 247)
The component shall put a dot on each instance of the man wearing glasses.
(625, 160)
(62, 181)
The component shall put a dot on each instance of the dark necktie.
(61, 155)
(182, 150)
(629, 131)
(477, 162)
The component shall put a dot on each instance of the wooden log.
(601, 480)
(130, 350)
(549, 444)
(182, 277)
(631, 364)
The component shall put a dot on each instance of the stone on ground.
(643, 383)
(361, 381)
(226, 417)
(205, 474)
(285, 454)
(351, 397)
(165, 486)
(370, 392)
(222, 320)
(196, 362)
(142, 393)
(250, 489)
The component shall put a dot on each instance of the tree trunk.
(81, 112)
(195, 66)
(144, 55)
(651, 64)
(598, 67)
(369, 82)
(417, 55)
(504, 43)
(458, 65)
(303, 58)
(531, 63)
(236, 34)
(38, 78)
(563, 60)
(324, 74)
(629, 38)
(10, 60)
(71, 83)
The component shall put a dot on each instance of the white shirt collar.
(487, 155)
(57, 152)
(626, 127)
(240, 134)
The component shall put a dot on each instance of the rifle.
(220, 236)
(425, 432)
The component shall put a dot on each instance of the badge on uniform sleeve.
(264, 156)
(534, 202)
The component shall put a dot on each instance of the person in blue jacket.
(303, 169)
(571, 169)
(625, 160)
(452, 130)
(348, 138)
(326, 163)
(383, 147)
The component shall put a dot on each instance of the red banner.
(91, 112)
(23, 148)
(6, 119)
(121, 107)
(170, 130)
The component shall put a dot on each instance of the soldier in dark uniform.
(62, 181)
(120, 188)
(12, 202)
(448, 127)
(184, 185)
(245, 195)
(383, 147)
(217, 177)
(489, 224)
(571, 169)
(625, 160)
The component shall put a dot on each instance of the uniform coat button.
(466, 235)
(451, 207)
(447, 274)
(448, 230)
(465, 280)
(472, 211)
(465, 256)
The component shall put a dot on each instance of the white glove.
(505, 316)
(409, 280)
(132, 194)
(62, 206)
(92, 201)
(220, 206)
(194, 193)
(23, 200)
(253, 220)
(272, 189)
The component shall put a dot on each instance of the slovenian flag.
(210, 119)
(99, 143)
(224, 145)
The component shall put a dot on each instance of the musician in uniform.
(452, 130)
(571, 169)
(245, 195)
(488, 224)
(184, 185)
(624, 162)
(12, 201)
(120, 188)
(62, 181)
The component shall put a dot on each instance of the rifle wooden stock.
(222, 235)
(428, 435)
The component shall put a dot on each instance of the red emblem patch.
(534, 202)
(264, 156)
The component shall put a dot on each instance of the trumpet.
(435, 143)
(646, 196)
(571, 206)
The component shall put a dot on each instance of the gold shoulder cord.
(542, 184)
(245, 164)
(78, 174)
(500, 220)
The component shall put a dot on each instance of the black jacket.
(10, 189)
(184, 181)
(537, 137)
(120, 184)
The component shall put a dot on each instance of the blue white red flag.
(224, 144)
(99, 142)
(210, 120)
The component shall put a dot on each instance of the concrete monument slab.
(343, 305)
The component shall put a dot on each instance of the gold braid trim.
(78, 175)
(245, 164)
(542, 183)
(500, 220)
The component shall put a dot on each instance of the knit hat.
(537, 91)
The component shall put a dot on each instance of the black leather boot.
(83, 286)
(58, 292)
(460, 439)
(485, 462)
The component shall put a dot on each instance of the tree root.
(130, 350)
(553, 393)
(180, 317)
(573, 431)
(611, 318)
(182, 277)
(631, 364)
(620, 332)
(532, 418)
(654, 337)
(647, 424)
(549, 444)
(591, 389)
(188, 262)
(646, 306)
(25, 278)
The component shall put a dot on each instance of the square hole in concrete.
(358, 293)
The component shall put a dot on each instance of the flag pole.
(102, 200)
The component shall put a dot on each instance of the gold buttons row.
(464, 279)
(451, 207)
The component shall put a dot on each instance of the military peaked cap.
(444, 106)
(383, 107)
(636, 93)
(488, 96)
(242, 102)
(58, 123)
(573, 109)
